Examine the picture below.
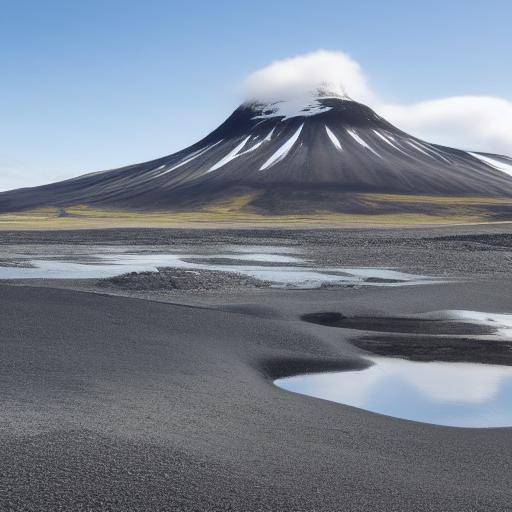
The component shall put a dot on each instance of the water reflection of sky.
(454, 394)
(287, 270)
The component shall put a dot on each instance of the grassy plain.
(238, 214)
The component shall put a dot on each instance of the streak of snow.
(268, 138)
(230, 156)
(500, 166)
(193, 157)
(360, 141)
(419, 148)
(252, 148)
(283, 150)
(435, 152)
(334, 139)
(387, 141)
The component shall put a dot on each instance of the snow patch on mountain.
(230, 156)
(283, 150)
(334, 139)
(360, 141)
(496, 164)
(304, 107)
(193, 157)
(388, 141)
(417, 147)
(268, 138)
(435, 152)
(252, 148)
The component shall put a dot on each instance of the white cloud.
(477, 123)
(300, 75)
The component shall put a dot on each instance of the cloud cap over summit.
(299, 76)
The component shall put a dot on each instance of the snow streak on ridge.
(252, 148)
(360, 141)
(433, 151)
(230, 156)
(193, 157)
(419, 148)
(283, 150)
(387, 141)
(496, 164)
(333, 138)
(268, 138)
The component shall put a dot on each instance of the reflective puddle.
(453, 394)
(268, 264)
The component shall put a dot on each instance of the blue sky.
(98, 84)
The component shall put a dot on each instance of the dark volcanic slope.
(312, 151)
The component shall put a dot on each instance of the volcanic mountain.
(324, 152)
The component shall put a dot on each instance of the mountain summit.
(321, 152)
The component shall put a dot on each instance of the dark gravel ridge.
(177, 279)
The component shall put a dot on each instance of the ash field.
(139, 369)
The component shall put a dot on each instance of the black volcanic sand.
(120, 404)
(443, 348)
(397, 325)
(424, 341)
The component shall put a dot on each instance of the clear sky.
(97, 84)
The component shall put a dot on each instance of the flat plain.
(162, 398)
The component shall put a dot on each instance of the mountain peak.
(306, 105)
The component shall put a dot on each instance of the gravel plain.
(163, 399)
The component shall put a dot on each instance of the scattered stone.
(168, 279)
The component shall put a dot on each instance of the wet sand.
(167, 402)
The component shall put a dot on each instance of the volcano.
(323, 152)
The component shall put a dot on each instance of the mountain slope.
(318, 153)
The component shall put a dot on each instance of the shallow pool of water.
(452, 394)
(285, 270)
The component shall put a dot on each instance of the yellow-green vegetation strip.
(236, 213)
(92, 218)
(441, 200)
